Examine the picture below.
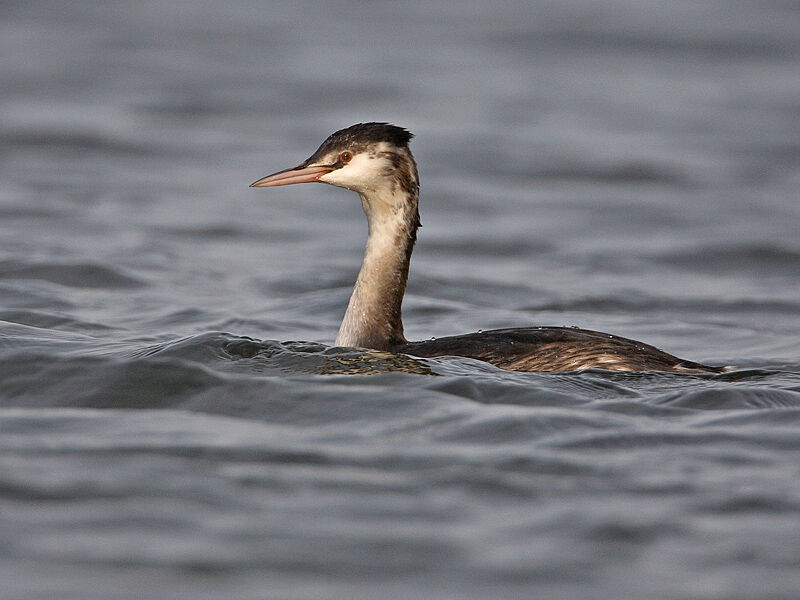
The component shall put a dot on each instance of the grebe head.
(372, 159)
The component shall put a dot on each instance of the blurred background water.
(173, 420)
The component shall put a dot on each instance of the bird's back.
(555, 349)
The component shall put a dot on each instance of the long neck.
(373, 317)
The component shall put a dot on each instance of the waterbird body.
(374, 160)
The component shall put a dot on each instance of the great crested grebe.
(374, 160)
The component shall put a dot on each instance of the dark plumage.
(359, 137)
(555, 349)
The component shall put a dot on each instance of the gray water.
(174, 421)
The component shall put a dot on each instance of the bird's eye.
(345, 157)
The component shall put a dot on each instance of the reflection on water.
(306, 357)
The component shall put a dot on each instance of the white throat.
(373, 317)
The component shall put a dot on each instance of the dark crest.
(358, 137)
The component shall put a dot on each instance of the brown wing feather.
(555, 349)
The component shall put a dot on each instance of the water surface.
(174, 421)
